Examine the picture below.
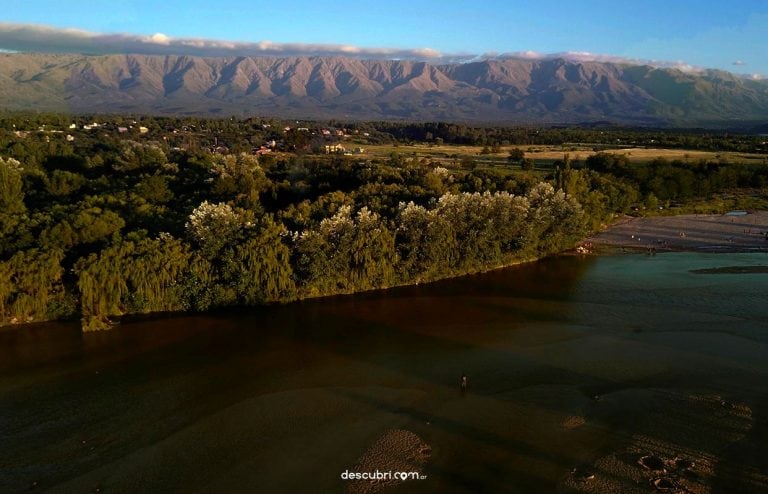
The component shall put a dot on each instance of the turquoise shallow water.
(571, 361)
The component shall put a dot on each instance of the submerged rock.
(652, 462)
(583, 474)
(574, 422)
(683, 463)
(665, 484)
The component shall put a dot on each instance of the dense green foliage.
(111, 223)
(680, 181)
(599, 137)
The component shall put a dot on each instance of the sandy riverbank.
(701, 232)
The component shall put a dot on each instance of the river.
(585, 363)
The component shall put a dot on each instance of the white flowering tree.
(426, 243)
(488, 226)
(345, 253)
(437, 180)
(214, 225)
(470, 231)
(556, 220)
(322, 254)
(242, 260)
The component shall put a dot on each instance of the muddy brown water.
(574, 364)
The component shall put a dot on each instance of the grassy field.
(648, 154)
(547, 154)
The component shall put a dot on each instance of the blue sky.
(726, 35)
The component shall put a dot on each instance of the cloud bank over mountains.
(48, 39)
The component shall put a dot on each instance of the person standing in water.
(464, 383)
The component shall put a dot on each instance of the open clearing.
(551, 153)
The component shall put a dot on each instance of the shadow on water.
(515, 332)
(50, 370)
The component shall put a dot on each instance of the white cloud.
(739, 62)
(159, 38)
(40, 38)
(585, 56)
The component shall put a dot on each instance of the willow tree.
(133, 276)
(11, 187)
(372, 252)
(261, 266)
(31, 287)
(14, 219)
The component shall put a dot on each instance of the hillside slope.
(324, 87)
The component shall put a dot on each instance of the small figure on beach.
(464, 383)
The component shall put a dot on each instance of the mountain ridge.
(511, 90)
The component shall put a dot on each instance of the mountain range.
(513, 90)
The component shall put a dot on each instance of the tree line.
(128, 227)
(241, 135)
(101, 227)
